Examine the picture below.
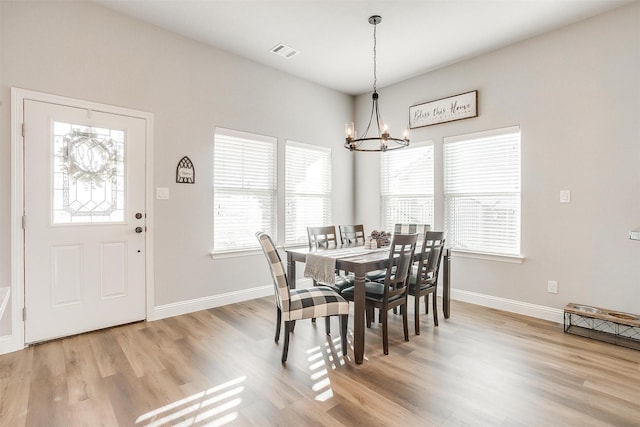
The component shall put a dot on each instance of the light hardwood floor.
(481, 367)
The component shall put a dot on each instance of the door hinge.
(24, 222)
(23, 130)
(24, 313)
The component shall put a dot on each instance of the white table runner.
(321, 266)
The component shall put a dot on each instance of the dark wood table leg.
(291, 277)
(446, 287)
(358, 316)
(291, 270)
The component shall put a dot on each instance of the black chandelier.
(383, 141)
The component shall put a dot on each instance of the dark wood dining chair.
(425, 281)
(322, 237)
(326, 237)
(412, 228)
(352, 234)
(405, 228)
(298, 304)
(392, 292)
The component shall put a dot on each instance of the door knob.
(138, 229)
(138, 215)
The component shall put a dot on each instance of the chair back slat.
(278, 272)
(430, 257)
(352, 234)
(322, 237)
(412, 228)
(401, 254)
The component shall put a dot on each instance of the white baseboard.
(184, 307)
(513, 306)
(7, 344)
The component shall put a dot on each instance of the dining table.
(359, 262)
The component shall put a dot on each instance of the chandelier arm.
(366, 131)
(379, 121)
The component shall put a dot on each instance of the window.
(482, 191)
(244, 189)
(89, 174)
(407, 186)
(308, 189)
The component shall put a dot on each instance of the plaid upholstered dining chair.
(298, 304)
(326, 237)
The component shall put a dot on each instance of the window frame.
(324, 193)
(270, 189)
(514, 196)
(426, 197)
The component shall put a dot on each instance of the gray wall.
(575, 93)
(82, 50)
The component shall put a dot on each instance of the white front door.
(84, 198)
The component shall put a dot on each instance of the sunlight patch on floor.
(214, 406)
(321, 359)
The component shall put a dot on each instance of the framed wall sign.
(444, 110)
(185, 172)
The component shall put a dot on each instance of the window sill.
(512, 259)
(294, 246)
(235, 254)
(249, 252)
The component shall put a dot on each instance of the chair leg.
(327, 325)
(385, 332)
(369, 314)
(279, 321)
(344, 319)
(285, 349)
(435, 309)
(426, 304)
(313, 320)
(405, 323)
(416, 311)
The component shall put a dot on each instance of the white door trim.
(18, 96)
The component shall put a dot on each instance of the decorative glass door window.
(88, 174)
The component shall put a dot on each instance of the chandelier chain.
(375, 74)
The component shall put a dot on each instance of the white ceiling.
(335, 39)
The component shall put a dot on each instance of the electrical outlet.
(552, 287)
(565, 196)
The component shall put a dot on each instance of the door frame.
(18, 97)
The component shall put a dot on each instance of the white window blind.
(244, 189)
(407, 186)
(308, 189)
(482, 191)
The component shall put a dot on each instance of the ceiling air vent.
(284, 51)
